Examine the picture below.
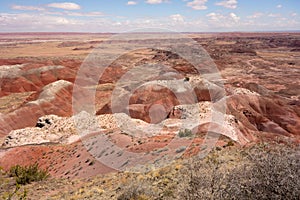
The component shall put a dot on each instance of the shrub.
(257, 173)
(275, 174)
(229, 144)
(21, 195)
(185, 133)
(27, 174)
(133, 192)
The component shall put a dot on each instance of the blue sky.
(124, 15)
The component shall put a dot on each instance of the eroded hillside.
(149, 106)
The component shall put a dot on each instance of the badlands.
(95, 105)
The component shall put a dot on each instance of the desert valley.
(145, 143)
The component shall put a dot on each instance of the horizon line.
(182, 32)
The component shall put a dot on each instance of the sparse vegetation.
(258, 173)
(22, 176)
(21, 195)
(134, 192)
(28, 174)
(185, 133)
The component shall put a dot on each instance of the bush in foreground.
(27, 174)
(260, 172)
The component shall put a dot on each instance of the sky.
(173, 15)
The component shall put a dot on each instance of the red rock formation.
(265, 114)
(58, 102)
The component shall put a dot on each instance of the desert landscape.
(40, 82)
(150, 100)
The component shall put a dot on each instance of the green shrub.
(27, 174)
(185, 133)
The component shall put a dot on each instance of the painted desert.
(150, 115)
